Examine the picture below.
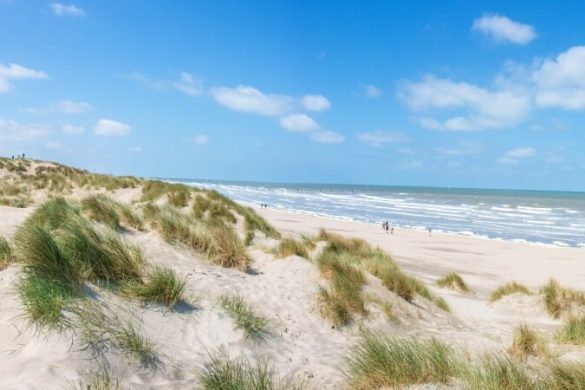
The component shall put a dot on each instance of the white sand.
(301, 343)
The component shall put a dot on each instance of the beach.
(244, 285)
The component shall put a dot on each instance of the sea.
(540, 217)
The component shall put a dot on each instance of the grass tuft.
(527, 342)
(453, 281)
(231, 374)
(378, 361)
(573, 331)
(99, 380)
(101, 209)
(559, 299)
(161, 286)
(508, 289)
(254, 326)
(493, 372)
(6, 255)
(291, 246)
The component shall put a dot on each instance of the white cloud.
(379, 138)
(200, 140)
(512, 156)
(503, 29)
(67, 10)
(71, 107)
(109, 127)
(316, 103)
(136, 149)
(327, 137)
(478, 108)
(147, 81)
(55, 145)
(299, 123)
(249, 99)
(370, 91)
(68, 128)
(561, 81)
(462, 148)
(189, 84)
(15, 131)
(14, 72)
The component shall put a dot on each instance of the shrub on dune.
(254, 326)
(227, 249)
(378, 361)
(53, 214)
(453, 281)
(240, 374)
(508, 289)
(161, 286)
(179, 197)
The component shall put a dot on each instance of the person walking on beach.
(430, 231)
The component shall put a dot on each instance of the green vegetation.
(508, 289)
(527, 342)
(453, 281)
(100, 332)
(179, 196)
(378, 361)
(161, 286)
(218, 242)
(231, 374)
(101, 209)
(6, 256)
(379, 264)
(291, 246)
(559, 299)
(573, 331)
(98, 380)
(254, 326)
(493, 372)
(343, 299)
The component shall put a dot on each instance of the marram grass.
(527, 342)
(6, 255)
(508, 289)
(241, 374)
(254, 325)
(162, 285)
(573, 331)
(558, 299)
(453, 281)
(379, 361)
(291, 246)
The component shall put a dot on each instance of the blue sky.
(454, 93)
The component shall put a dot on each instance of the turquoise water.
(553, 218)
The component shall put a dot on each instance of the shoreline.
(485, 262)
(470, 234)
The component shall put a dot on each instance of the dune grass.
(453, 281)
(291, 246)
(6, 256)
(380, 264)
(100, 209)
(527, 342)
(218, 242)
(379, 361)
(179, 196)
(254, 325)
(154, 189)
(565, 376)
(101, 379)
(241, 374)
(495, 372)
(162, 285)
(342, 299)
(508, 289)
(573, 331)
(558, 299)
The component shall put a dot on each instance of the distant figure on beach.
(430, 231)
(392, 230)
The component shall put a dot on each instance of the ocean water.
(551, 218)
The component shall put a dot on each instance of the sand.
(301, 343)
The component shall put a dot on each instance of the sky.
(479, 94)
